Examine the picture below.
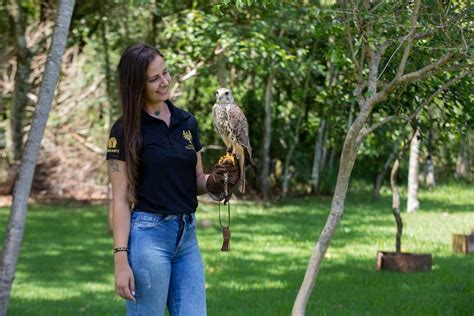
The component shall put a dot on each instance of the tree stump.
(403, 262)
(463, 243)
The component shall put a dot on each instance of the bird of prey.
(231, 124)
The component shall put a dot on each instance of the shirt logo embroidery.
(189, 137)
(112, 145)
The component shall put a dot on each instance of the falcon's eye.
(227, 93)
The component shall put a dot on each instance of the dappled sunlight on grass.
(37, 292)
(66, 263)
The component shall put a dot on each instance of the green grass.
(66, 265)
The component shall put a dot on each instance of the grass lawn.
(66, 263)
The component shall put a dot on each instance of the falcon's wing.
(238, 125)
(214, 118)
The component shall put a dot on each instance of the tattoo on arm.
(113, 165)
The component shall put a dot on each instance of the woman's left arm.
(201, 177)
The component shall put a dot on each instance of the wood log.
(463, 243)
(403, 262)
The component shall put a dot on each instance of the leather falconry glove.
(215, 183)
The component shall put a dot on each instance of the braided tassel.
(226, 233)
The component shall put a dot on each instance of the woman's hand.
(215, 183)
(124, 280)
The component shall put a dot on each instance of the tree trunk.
(331, 159)
(109, 110)
(320, 148)
(430, 173)
(47, 8)
(396, 204)
(381, 175)
(430, 179)
(318, 155)
(155, 20)
(412, 199)
(267, 136)
(462, 163)
(324, 154)
(289, 155)
(16, 222)
(350, 148)
(124, 22)
(22, 85)
(348, 157)
(396, 192)
(293, 144)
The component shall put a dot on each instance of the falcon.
(231, 124)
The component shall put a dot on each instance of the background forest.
(288, 65)
(341, 96)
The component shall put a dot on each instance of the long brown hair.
(131, 73)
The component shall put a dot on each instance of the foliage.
(302, 42)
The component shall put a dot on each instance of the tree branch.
(401, 40)
(428, 101)
(406, 52)
(374, 69)
(430, 69)
(427, 70)
(364, 44)
(459, 67)
(367, 130)
(351, 48)
(420, 36)
(374, 8)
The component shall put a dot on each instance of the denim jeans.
(167, 266)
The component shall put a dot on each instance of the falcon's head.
(223, 95)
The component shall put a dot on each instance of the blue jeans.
(167, 266)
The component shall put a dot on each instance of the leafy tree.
(381, 38)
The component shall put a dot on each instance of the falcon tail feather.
(251, 162)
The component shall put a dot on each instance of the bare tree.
(463, 161)
(381, 175)
(369, 91)
(22, 84)
(293, 143)
(16, 222)
(430, 178)
(267, 105)
(319, 148)
(412, 200)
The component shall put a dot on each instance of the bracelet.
(118, 249)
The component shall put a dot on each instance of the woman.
(156, 173)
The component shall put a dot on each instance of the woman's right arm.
(124, 280)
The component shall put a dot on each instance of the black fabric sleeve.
(115, 144)
(195, 131)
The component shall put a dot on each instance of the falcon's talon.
(227, 156)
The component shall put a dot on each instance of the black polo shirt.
(167, 171)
